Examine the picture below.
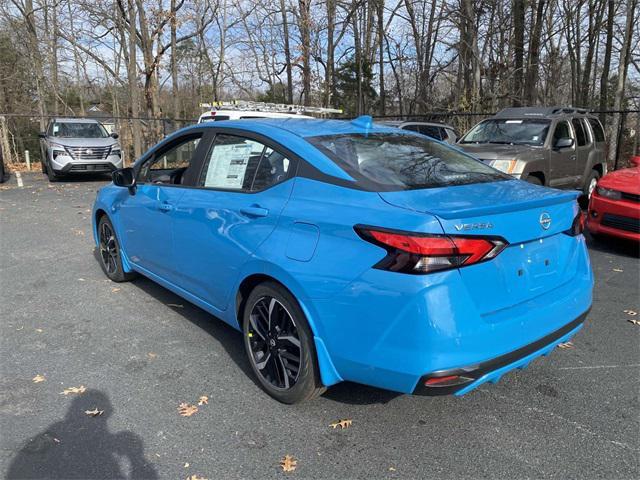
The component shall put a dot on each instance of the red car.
(614, 208)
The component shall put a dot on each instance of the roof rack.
(268, 107)
(539, 111)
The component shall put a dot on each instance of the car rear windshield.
(78, 130)
(402, 161)
(524, 131)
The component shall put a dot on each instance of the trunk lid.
(537, 259)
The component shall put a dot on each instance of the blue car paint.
(375, 327)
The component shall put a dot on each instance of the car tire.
(52, 175)
(109, 252)
(590, 183)
(534, 180)
(278, 339)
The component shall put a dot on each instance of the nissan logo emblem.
(88, 151)
(545, 220)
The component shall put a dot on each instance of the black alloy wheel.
(109, 251)
(274, 342)
(280, 345)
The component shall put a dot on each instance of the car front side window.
(169, 165)
(562, 131)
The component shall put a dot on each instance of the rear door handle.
(165, 207)
(254, 211)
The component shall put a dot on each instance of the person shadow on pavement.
(82, 447)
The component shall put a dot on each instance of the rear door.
(562, 161)
(243, 185)
(583, 147)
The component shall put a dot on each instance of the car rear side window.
(238, 163)
(596, 127)
(401, 161)
(581, 137)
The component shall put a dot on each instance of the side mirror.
(564, 142)
(125, 177)
(42, 135)
(635, 160)
(114, 135)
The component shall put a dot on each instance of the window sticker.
(228, 165)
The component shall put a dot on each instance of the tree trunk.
(518, 35)
(174, 61)
(132, 77)
(380, 5)
(287, 51)
(606, 64)
(534, 55)
(329, 74)
(305, 37)
(623, 64)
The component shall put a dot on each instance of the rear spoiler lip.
(556, 197)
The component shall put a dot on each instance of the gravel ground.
(140, 351)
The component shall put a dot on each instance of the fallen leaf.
(632, 313)
(391, 469)
(566, 345)
(196, 477)
(186, 465)
(94, 413)
(175, 305)
(346, 423)
(187, 410)
(39, 330)
(56, 440)
(78, 232)
(634, 321)
(38, 378)
(152, 355)
(115, 289)
(288, 463)
(203, 400)
(81, 279)
(80, 389)
(618, 270)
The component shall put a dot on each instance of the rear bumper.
(619, 218)
(492, 370)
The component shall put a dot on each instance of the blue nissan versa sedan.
(350, 251)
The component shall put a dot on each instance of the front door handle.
(254, 211)
(165, 207)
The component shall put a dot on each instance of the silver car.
(78, 145)
(439, 131)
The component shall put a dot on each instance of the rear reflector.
(447, 381)
(421, 253)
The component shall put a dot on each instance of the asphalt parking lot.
(140, 351)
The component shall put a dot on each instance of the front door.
(147, 216)
(562, 161)
(243, 187)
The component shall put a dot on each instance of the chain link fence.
(19, 132)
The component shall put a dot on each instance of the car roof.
(398, 123)
(74, 120)
(541, 112)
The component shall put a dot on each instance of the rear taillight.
(418, 253)
(577, 227)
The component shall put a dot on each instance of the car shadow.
(227, 336)
(231, 341)
(82, 446)
(609, 244)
